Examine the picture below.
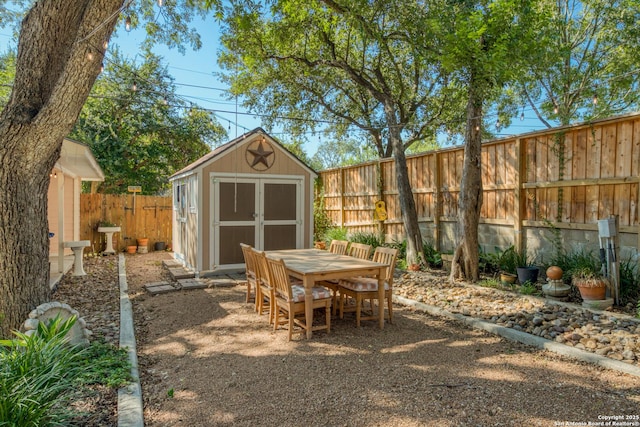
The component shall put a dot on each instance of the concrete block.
(159, 288)
(192, 284)
(181, 273)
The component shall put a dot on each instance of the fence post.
(437, 201)
(341, 197)
(518, 240)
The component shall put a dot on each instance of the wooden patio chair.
(359, 250)
(361, 288)
(339, 247)
(266, 300)
(290, 300)
(250, 272)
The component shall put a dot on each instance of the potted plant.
(525, 269)
(591, 283)
(507, 263)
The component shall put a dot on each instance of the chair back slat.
(262, 275)
(279, 278)
(249, 260)
(359, 250)
(338, 247)
(388, 256)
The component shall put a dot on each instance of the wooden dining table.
(314, 265)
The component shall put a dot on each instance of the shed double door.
(264, 213)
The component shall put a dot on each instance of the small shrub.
(335, 233)
(629, 282)
(105, 364)
(321, 221)
(490, 283)
(431, 255)
(367, 238)
(39, 374)
(36, 372)
(528, 288)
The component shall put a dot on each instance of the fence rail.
(566, 178)
(137, 216)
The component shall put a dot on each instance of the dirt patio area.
(207, 359)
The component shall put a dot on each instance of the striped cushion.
(360, 284)
(319, 292)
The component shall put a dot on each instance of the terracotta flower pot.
(589, 293)
(508, 278)
(591, 290)
(132, 249)
(143, 242)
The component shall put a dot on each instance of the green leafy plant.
(629, 281)
(509, 260)
(40, 373)
(490, 283)
(170, 393)
(335, 233)
(431, 255)
(585, 268)
(528, 288)
(36, 372)
(367, 238)
(105, 364)
(105, 223)
(321, 221)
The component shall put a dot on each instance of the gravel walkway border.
(130, 410)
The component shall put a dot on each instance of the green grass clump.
(40, 374)
(528, 288)
(35, 373)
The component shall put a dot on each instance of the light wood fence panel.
(147, 217)
(568, 179)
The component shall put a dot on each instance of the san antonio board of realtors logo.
(260, 155)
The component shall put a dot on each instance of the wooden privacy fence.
(139, 217)
(566, 178)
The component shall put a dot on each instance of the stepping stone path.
(157, 288)
(192, 284)
(183, 279)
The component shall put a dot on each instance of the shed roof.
(76, 160)
(219, 151)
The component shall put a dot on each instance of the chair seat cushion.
(318, 292)
(362, 284)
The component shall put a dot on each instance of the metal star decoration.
(260, 155)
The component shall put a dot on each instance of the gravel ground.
(612, 334)
(95, 296)
(207, 359)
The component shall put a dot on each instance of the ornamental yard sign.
(134, 189)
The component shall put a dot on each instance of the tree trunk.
(53, 80)
(465, 256)
(407, 204)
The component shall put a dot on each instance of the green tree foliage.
(53, 79)
(485, 44)
(343, 65)
(7, 74)
(142, 136)
(588, 48)
(343, 152)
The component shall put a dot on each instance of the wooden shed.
(76, 164)
(250, 190)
